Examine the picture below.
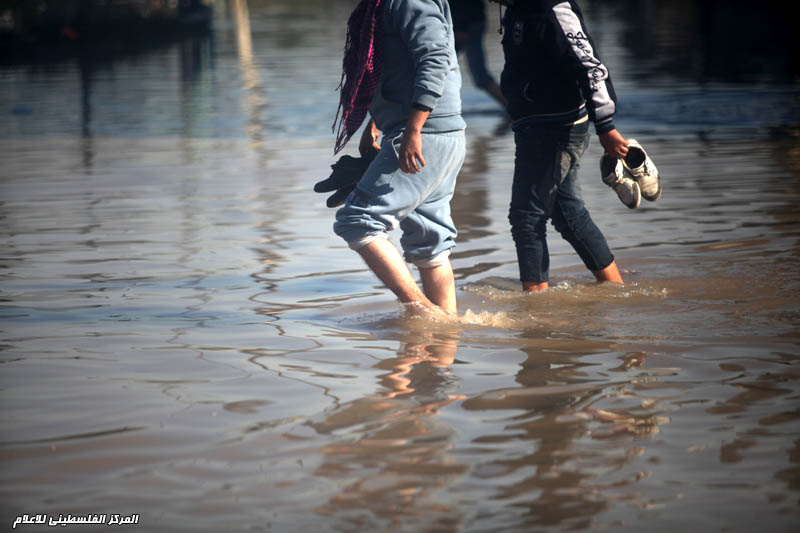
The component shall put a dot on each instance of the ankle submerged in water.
(428, 310)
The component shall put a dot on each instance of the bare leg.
(534, 286)
(609, 273)
(385, 261)
(439, 285)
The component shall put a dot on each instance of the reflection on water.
(714, 40)
(389, 451)
(183, 338)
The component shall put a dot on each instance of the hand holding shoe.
(638, 165)
(614, 143)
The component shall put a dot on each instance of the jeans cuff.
(365, 240)
(433, 262)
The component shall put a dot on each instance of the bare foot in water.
(428, 310)
(534, 286)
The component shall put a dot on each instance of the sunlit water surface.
(184, 338)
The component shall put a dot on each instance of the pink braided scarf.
(361, 69)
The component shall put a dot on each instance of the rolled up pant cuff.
(433, 262)
(365, 240)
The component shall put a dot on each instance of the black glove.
(346, 173)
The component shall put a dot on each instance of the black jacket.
(553, 73)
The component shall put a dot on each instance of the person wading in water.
(400, 67)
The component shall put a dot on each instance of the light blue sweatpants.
(386, 197)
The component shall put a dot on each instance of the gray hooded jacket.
(420, 67)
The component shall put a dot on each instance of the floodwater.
(183, 338)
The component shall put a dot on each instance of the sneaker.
(641, 168)
(614, 176)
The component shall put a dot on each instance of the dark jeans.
(546, 187)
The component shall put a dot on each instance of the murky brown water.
(184, 338)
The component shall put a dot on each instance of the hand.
(410, 154)
(614, 144)
(369, 139)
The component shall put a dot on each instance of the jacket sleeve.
(423, 26)
(592, 75)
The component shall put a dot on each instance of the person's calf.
(609, 274)
(438, 282)
(385, 261)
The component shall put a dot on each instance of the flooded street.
(184, 338)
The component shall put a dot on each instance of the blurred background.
(161, 66)
(182, 337)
